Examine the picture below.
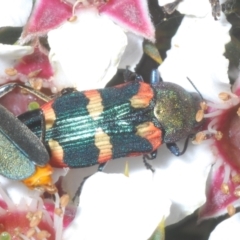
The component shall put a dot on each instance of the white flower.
(87, 51)
(113, 206)
(197, 53)
(14, 13)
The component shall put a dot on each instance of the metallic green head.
(176, 111)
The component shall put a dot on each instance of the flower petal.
(10, 15)
(127, 208)
(133, 52)
(228, 229)
(132, 15)
(197, 53)
(91, 56)
(190, 7)
(47, 15)
(36, 62)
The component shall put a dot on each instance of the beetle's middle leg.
(150, 156)
(173, 147)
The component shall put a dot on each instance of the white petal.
(181, 179)
(87, 51)
(17, 191)
(228, 229)
(198, 8)
(197, 52)
(14, 13)
(9, 54)
(113, 206)
(195, 7)
(133, 52)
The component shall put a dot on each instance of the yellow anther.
(218, 135)
(237, 192)
(72, 18)
(51, 189)
(200, 136)
(238, 112)
(43, 234)
(58, 211)
(225, 188)
(224, 96)
(36, 83)
(236, 178)
(231, 210)
(31, 232)
(64, 200)
(11, 71)
(203, 105)
(36, 219)
(199, 115)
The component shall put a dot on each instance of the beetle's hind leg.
(79, 190)
(150, 156)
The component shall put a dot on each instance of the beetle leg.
(174, 148)
(102, 166)
(4, 89)
(79, 190)
(150, 156)
(68, 91)
(131, 76)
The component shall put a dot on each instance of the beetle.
(84, 128)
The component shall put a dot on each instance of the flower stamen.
(225, 188)
(218, 135)
(224, 96)
(11, 71)
(231, 210)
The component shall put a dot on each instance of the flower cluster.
(82, 44)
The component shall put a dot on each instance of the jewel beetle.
(84, 128)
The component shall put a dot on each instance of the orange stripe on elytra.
(102, 142)
(49, 114)
(57, 154)
(94, 107)
(144, 96)
(153, 134)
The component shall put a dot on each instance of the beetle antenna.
(195, 87)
